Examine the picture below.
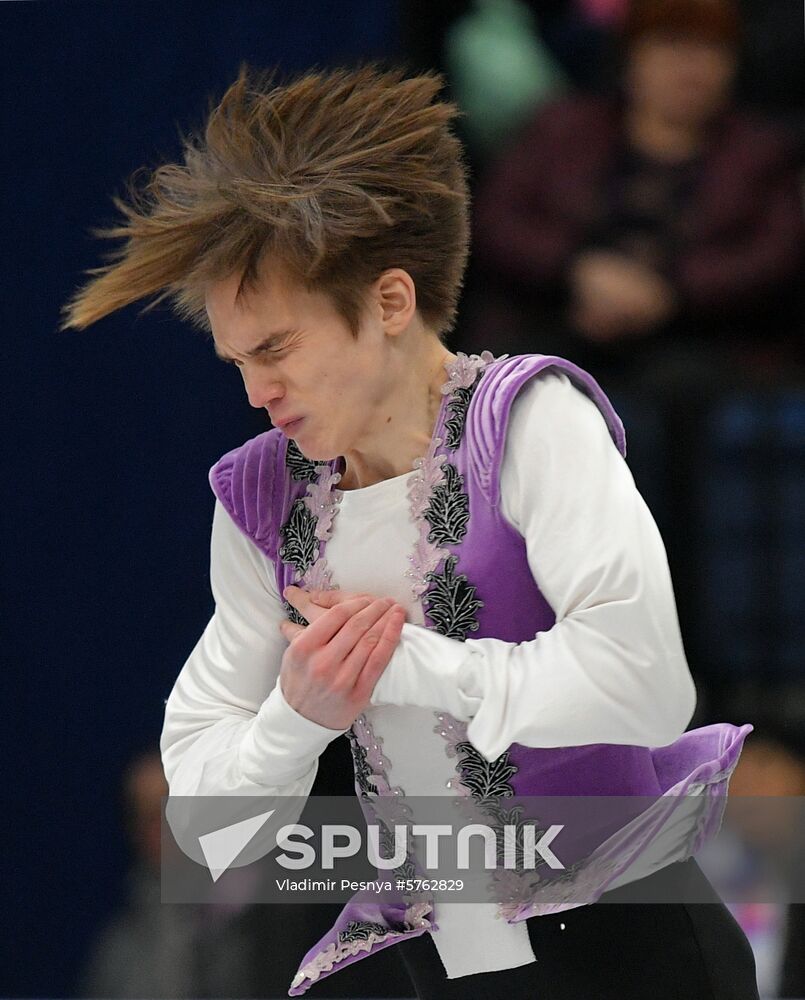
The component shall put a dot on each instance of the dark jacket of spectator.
(739, 237)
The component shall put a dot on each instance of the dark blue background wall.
(108, 433)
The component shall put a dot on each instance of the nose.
(262, 388)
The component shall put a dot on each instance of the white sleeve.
(228, 728)
(612, 669)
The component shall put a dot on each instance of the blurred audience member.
(653, 234)
(230, 947)
(773, 767)
(777, 768)
(153, 949)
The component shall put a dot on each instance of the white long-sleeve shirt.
(611, 670)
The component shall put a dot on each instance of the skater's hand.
(331, 666)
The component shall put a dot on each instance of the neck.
(403, 425)
(661, 138)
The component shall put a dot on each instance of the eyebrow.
(270, 341)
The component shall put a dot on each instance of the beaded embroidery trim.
(579, 882)
(372, 756)
(360, 936)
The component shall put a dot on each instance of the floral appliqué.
(310, 522)
(449, 509)
(301, 468)
(451, 602)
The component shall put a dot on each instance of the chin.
(316, 454)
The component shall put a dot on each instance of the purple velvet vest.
(471, 573)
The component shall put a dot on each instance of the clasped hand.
(615, 296)
(331, 666)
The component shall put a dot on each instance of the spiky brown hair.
(334, 176)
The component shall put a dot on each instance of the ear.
(395, 294)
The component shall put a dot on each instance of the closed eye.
(266, 352)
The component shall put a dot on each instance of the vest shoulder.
(491, 405)
(490, 408)
(244, 479)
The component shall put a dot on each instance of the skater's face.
(300, 362)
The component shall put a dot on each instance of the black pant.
(612, 951)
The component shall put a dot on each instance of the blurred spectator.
(153, 949)
(659, 224)
(226, 948)
(773, 766)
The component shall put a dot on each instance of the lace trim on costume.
(298, 535)
(464, 373)
(387, 804)
(310, 522)
(451, 602)
(360, 936)
(322, 502)
(441, 507)
(293, 615)
(454, 733)
(579, 882)
(370, 759)
(426, 555)
(449, 509)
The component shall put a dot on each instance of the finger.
(319, 596)
(313, 603)
(354, 630)
(329, 622)
(355, 662)
(329, 598)
(380, 655)
(303, 602)
(290, 630)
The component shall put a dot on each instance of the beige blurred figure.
(152, 949)
(763, 827)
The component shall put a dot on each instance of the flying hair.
(333, 177)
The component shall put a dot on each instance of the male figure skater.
(318, 230)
